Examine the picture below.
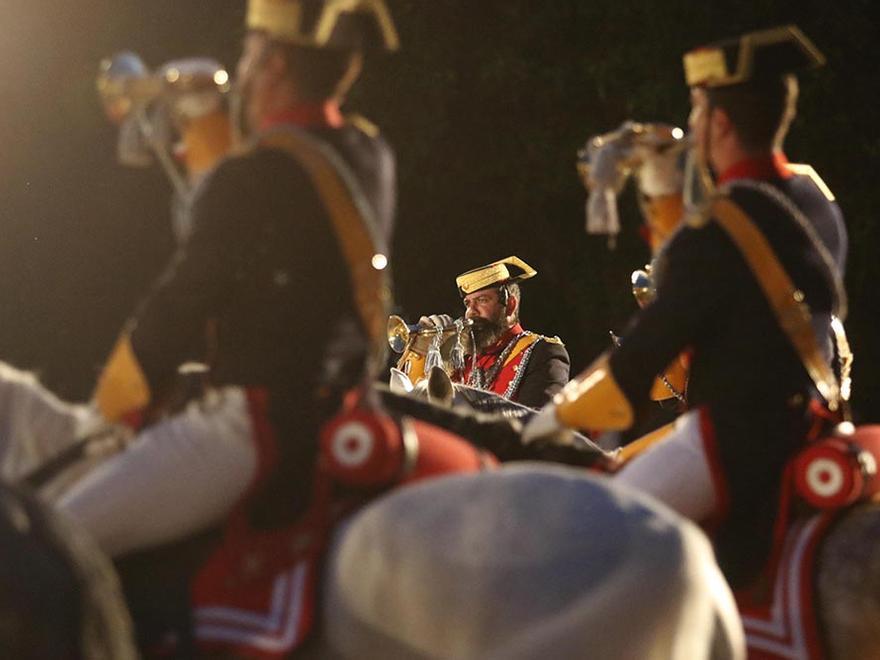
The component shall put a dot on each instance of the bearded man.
(519, 365)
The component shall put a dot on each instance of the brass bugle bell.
(175, 114)
(403, 336)
(125, 83)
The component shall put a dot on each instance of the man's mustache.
(486, 332)
(481, 323)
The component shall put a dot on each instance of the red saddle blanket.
(256, 595)
(778, 614)
(829, 475)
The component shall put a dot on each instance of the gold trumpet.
(403, 337)
(125, 84)
(178, 109)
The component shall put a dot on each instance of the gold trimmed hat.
(359, 24)
(498, 273)
(760, 54)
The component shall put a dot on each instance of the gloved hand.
(605, 165)
(661, 172)
(436, 321)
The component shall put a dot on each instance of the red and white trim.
(786, 627)
(269, 629)
(256, 596)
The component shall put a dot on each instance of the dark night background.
(486, 105)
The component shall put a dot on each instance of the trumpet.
(175, 115)
(125, 84)
(403, 336)
(182, 100)
(631, 143)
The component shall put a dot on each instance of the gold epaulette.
(808, 171)
(521, 345)
(529, 340)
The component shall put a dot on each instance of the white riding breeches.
(676, 470)
(178, 477)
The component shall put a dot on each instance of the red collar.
(306, 115)
(499, 345)
(762, 168)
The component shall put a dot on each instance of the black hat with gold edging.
(350, 24)
(498, 273)
(753, 56)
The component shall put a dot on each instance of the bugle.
(403, 336)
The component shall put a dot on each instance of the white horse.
(841, 580)
(535, 561)
(47, 442)
(532, 561)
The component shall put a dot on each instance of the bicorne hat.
(498, 273)
(349, 24)
(754, 55)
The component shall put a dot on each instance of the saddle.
(824, 481)
(256, 594)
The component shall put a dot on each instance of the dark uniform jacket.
(534, 367)
(744, 372)
(261, 289)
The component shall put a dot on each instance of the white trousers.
(178, 477)
(676, 471)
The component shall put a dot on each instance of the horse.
(832, 570)
(848, 585)
(846, 600)
(59, 596)
(412, 548)
(846, 556)
(487, 419)
(437, 388)
(527, 561)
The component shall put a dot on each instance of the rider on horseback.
(272, 289)
(750, 397)
(517, 364)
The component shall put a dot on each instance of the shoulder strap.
(786, 301)
(353, 221)
(524, 342)
(797, 216)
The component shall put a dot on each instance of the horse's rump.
(526, 562)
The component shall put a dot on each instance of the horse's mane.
(491, 403)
